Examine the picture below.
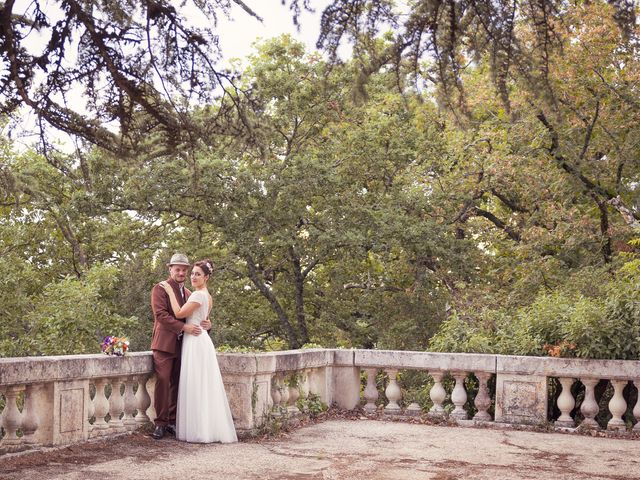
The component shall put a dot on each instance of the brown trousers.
(165, 397)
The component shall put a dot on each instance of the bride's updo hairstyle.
(206, 266)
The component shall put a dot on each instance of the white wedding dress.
(203, 414)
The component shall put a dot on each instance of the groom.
(167, 344)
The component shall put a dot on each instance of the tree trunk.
(299, 279)
(292, 336)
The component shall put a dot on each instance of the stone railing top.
(72, 367)
(269, 362)
(26, 370)
(433, 361)
(569, 367)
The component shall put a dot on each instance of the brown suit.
(167, 349)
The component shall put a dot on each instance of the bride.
(203, 414)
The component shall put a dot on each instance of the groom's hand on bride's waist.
(206, 324)
(192, 329)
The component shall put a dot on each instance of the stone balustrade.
(67, 399)
(457, 365)
(522, 389)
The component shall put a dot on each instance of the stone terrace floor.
(341, 448)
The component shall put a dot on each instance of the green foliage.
(559, 324)
(415, 386)
(69, 317)
(457, 334)
(500, 222)
(311, 405)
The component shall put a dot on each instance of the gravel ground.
(342, 449)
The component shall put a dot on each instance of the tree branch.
(513, 234)
(629, 216)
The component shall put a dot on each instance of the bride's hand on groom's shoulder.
(165, 285)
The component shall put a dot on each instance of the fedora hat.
(179, 259)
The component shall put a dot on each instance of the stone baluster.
(589, 407)
(143, 401)
(116, 406)
(12, 419)
(284, 392)
(617, 406)
(151, 390)
(482, 400)
(459, 396)
(636, 408)
(276, 397)
(565, 403)
(101, 408)
(294, 395)
(437, 395)
(128, 420)
(393, 393)
(371, 390)
(31, 418)
(91, 408)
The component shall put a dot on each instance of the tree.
(66, 259)
(367, 220)
(312, 186)
(83, 67)
(556, 181)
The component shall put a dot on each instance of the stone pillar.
(521, 390)
(617, 406)
(565, 403)
(71, 408)
(459, 396)
(345, 381)
(482, 400)
(261, 396)
(371, 390)
(393, 393)
(589, 407)
(320, 383)
(437, 395)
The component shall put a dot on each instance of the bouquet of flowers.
(115, 345)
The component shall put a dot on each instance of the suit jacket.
(166, 327)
